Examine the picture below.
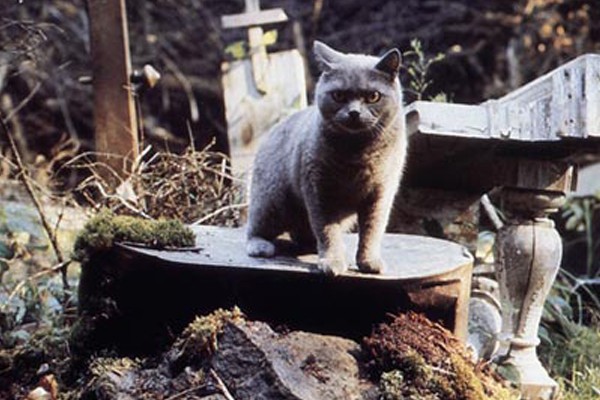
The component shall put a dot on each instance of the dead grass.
(195, 187)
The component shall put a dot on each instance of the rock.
(254, 362)
(485, 322)
(485, 318)
(222, 356)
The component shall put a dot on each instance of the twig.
(219, 211)
(121, 200)
(186, 392)
(58, 221)
(25, 178)
(221, 385)
(187, 87)
(491, 212)
(23, 103)
(19, 286)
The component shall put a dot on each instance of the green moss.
(465, 380)
(199, 339)
(102, 231)
(391, 385)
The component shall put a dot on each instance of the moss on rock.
(103, 230)
(198, 341)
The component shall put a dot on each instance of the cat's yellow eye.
(338, 96)
(372, 97)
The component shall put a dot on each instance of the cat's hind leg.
(302, 234)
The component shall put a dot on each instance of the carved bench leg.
(529, 251)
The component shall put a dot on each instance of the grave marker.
(261, 90)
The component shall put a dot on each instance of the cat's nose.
(353, 114)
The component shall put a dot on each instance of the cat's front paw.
(259, 247)
(333, 265)
(371, 265)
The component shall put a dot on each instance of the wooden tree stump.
(156, 293)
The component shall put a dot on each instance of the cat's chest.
(353, 178)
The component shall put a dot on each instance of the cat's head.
(357, 93)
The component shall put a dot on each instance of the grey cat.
(341, 158)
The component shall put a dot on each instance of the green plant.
(569, 333)
(418, 67)
(584, 384)
(581, 217)
(578, 282)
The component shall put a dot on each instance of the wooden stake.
(114, 110)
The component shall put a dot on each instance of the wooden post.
(114, 110)
(258, 51)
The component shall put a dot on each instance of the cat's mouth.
(351, 125)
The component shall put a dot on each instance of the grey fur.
(333, 161)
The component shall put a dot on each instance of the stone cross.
(253, 18)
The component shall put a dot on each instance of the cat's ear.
(390, 62)
(326, 56)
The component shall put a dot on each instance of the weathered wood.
(225, 248)
(254, 18)
(260, 91)
(250, 113)
(447, 119)
(542, 175)
(158, 292)
(564, 103)
(114, 111)
(478, 166)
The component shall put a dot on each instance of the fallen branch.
(221, 386)
(23, 103)
(185, 392)
(25, 178)
(219, 211)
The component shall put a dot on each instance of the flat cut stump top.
(408, 257)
